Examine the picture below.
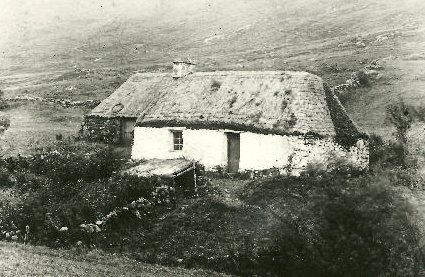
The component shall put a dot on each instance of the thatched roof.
(134, 96)
(278, 102)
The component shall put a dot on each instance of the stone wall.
(325, 152)
(100, 129)
(292, 154)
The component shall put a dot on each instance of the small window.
(177, 140)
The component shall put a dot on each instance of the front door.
(233, 152)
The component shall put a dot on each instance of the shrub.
(361, 77)
(337, 166)
(358, 227)
(5, 180)
(72, 184)
(48, 205)
(68, 162)
(387, 154)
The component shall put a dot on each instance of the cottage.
(237, 120)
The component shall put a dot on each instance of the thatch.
(278, 102)
(134, 96)
(267, 102)
(345, 128)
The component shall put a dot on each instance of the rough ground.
(22, 260)
(87, 56)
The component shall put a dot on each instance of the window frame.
(177, 141)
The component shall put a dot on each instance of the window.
(177, 140)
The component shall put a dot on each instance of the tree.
(402, 116)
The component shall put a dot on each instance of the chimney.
(182, 68)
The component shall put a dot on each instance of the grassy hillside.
(25, 260)
(87, 55)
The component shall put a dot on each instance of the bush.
(387, 154)
(358, 227)
(47, 205)
(73, 184)
(5, 180)
(68, 162)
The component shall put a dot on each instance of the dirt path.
(20, 260)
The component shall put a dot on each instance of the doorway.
(233, 152)
(127, 131)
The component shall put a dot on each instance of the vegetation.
(70, 185)
(321, 223)
(25, 260)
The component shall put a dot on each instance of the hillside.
(87, 52)
(24, 260)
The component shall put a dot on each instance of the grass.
(37, 124)
(309, 35)
(24, 260)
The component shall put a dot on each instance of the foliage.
(68, 162)
(336, 165)
(361, 77)
(387, 154)
(401, 116)
(103, 130)
(73, 184)
(358, 227)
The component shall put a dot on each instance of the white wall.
(257, 151)
(325, 151)
(209, 147)
(260, 151)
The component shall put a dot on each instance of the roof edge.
(214, 125)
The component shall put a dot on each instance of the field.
(89, 57)
(37, 124)
(24, 260)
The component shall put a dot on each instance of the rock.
(361, 44)
(63, 229)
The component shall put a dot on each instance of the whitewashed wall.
(326, 151)
(209, 147)
(260, 151)
(257, 151)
